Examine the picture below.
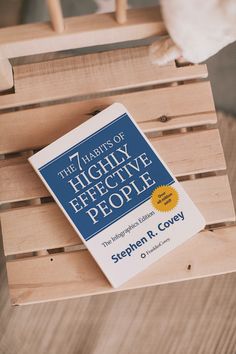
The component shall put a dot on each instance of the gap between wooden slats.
(89, 74)
(183, 106)
(80, 31)
(44, 227)
(68, 275)
(190, 153)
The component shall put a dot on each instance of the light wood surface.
(83, 31)
(27, 229)
(90, 74)
(20, 182)
(188, 317)
(197, 158)
(56, 16)
(186, 109)
(182, 106)
(203, 255)
(193, 317)
(121, 11)
(141, 313)
(227, 127)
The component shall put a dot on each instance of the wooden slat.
(164, 122)
(89, 74)
(190, 153)
(12, 161)
(35, 228)
(98, 72)
(82, 31)
(212, 195)
(68, 275)
(183, 106)
(44, 227)
(20, 182)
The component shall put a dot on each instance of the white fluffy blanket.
(198, 29)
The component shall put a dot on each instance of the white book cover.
(117, 193)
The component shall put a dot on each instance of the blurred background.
(222, 67)
(185, 318)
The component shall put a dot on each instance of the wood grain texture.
(197, 316)
(97, 73)
(76, 274)
(21, 183)
(195, 152)
(183, 106)
(121, 11)
(56, 16)
(227, 128)
(44, 227)
(194, 317)
(82, 31)
(191, 317)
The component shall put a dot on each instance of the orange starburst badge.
(164, 198)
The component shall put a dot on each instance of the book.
(117, 193)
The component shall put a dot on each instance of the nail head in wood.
(163, 119)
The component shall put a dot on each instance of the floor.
(189, 317)
(184, 318)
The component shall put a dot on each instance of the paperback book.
(118, 194)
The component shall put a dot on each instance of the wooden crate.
(172, 104)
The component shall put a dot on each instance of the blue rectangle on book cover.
(105, 176)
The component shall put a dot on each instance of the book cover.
(117, 193)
